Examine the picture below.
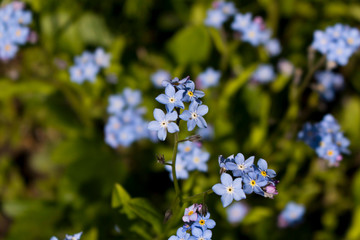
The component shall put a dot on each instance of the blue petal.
(201, 122)
(169, 107)
(159, 115)
(199, 94)
(248, 188)
(230, 166)
(250, 161)
(226, 199)
(171, 116)
(179, 104)
(207, 234)
(271, 173)
(262, 164)
(210, 223)
(162, 134)
(154, 126)
(193, 106)
(196, 232)
(239, 158)
(219, 189)
(173, 238)
(226, 179)
(162, 98)
(186, 115)
(258, 190)
(191, 124)
(179, 94)
(237, 183)
(172, 127)
(202, 110)
(239, 194)
(170, 90)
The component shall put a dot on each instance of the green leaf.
(190, 45)
(256, 215)
(119, 196)
(144, 210)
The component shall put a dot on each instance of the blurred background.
(57, 173)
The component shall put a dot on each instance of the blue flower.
(18, 34)
(132, 97)
(208, 78)
(310, 135)
(8, 50)
(190, 93)
(73, 237)
(186, 148)
(180, 235)
(328, 150)
(328, 84)
(321, 42)
(204, 222)
(352, 37)
(163, 123)
(291, 215)
(240, 166)
(194, 116)
(90, 70)
(263, 168)
(102, 59)
(229, 189)
(228, 8)
(215, 18)
(339, 52)
(197, 160)
(199, 234)
(206, 133)
(252, 34)
(273, 47)
(76, 74)
(116, 104)
(241, 22)
(253, 182)
(176, 82)
(53, 238)
(329, 124)
(236, 212)
(264, 73)
(159, 76)
(171, 98)
(180, 168)
(342, 142)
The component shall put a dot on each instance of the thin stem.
(176, 183)
(310, 73)
(196, 196)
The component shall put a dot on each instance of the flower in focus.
(180, 235)
(171, 98)
(229, 189)
(163, 123)
(194, 116)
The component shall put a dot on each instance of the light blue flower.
(186, 148)
(264, 73)
(197, 160)
(208, 78)
(291, 215)
(199, 234)
(263, 168)
(171, 98)
(328, 124)
(206, 133)
(90, 70)
(321, 41)
(126, 136)
(328, 84)
(76, 74)
(228, 8)
(229, 189)
(23, 17)
(236, 212)
(253, 182)
(132, 97)
(241, 22)
(352, 37)
(215, 18)
(339, 52)
(163, 123)
(102, 59)
(18, 34)
(328, 150)
(342, 142)
(73, 237)
(53, 238)
(190, 93)
(273, 47)
(180, 235)
(252, 34)
(239, 167)
(180, 168)
(194, 116)
(116, 104)
(204, 222)
(159, 76)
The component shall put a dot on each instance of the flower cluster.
(326, 139)
(76, 236)
(264, 74)
(13, 28)
(291, 215)
(197, 225)
(252, 31)
(158, 77)
(88, 65)
(328, 83)
(190, 157)
(208, 78)
(176, 93)
(249, 178)
(126, 125)
(337, 42)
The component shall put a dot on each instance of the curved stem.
(310, 73)
(196, 196)
(176, 183)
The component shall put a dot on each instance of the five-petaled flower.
(229, 189)
(163, 123)
(194, 116)
(171, 98)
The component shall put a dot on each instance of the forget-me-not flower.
(208, 78)
(229, 189)
(194, 116)
(180, 235)
(159, 76)
(199, 234)
(163, 123)
(239, 167)
(171, 98)
(253, 182)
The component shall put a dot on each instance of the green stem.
(196, 196)
(310, 73)
(176, 183)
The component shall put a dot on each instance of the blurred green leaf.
(119, 196)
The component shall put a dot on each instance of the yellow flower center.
(330, 153)
(322, 144)
(202, 222)
(263, 173)
(7, 47)
(18, 33)
(190, 93)
(187, 149)
(191, 213)
(350, 41)
(251, 34)
(252, 183)
(196, 159)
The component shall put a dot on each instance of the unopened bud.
(194, 138)
(204, 210)
(160, 158)
(168, 215)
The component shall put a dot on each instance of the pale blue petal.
(154, 126)
(173, 238)
(201, 122)
(239, 194)
(193, 106)
(179, 104)
(191, 125)
(172, 116)
(230, 166)
(271, 173)
(162, 134)
(207, 234)
(219, 189)
(202, 110)
(172, 127)
(170, 90)
(210, 223)
(226, 179)
(248, 188)
(196, 232)
(239, 158)
(250, 161)
(186, 115)
(237, 183)
(226, 199)
(199, 93)
(169, 107)
(162, 98)
(262, 164)
(159, 115)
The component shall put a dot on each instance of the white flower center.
(172, 100)
(194, 115)
(241, 167)
(164, 124)
(230, 190)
